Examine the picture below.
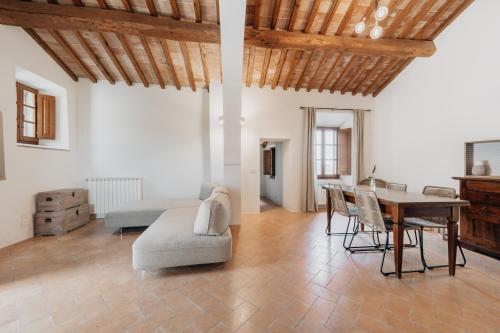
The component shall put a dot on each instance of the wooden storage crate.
(58, 200)
(62, 221)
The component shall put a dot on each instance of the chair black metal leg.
(386, 247)
(338, 233)
(421, 241)
(411, 242)
(354, 249)
(439, 266)
(347, 230)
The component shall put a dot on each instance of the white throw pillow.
(213, 215)
(220, 189)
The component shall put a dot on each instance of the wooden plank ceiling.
(149, 60)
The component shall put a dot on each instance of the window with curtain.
(326, 152)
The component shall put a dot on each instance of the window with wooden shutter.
(344, 145)
(46, 117)
(326, 152)
(36, 115)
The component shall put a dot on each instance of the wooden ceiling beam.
(296, 58)
(197, 10)
(218, 14)
(304, 71)
(113, 58)
(250, 63)
(151, 7)
(73, 55)
(43, 16)
(380, 76)
(152, 61)
(399, 69)
(127, 5)
(204, 63)
(327, 78)
(170, 63)
(124, 42)
(463, 6)
(33, 34)
(256, 16)
(312, 15)
(346, 69)
(279, 68)
(409, 26)
(401, 16)
(293, 17)
(187, 64)
(369, 75)
(102, 4)
(175, 10)
(355, 76)
(94, 57)
(276, 14)
(347, 17)
(265, 67)
(329, 18)
(313, 77)
(434, 18)
(351, 45)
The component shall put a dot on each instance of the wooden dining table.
(400, 205)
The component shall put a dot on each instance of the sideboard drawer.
(484, 186)
(482, 198)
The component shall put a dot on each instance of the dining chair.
(396, 186)
(340, 206)
(435, 222)
(369, 214)
(378, 182)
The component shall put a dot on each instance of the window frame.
(323, 129)
(20, 88)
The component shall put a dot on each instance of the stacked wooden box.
(61, 211)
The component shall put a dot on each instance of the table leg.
(452, 240)
(328, 212)
(398, 235)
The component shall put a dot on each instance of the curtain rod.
(336, 109)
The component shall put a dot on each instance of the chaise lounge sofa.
(170, 239)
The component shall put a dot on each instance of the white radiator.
(106, 194)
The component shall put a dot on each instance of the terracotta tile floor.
(285, 276)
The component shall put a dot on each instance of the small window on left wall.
(36, 115)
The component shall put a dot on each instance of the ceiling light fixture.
(376, 32)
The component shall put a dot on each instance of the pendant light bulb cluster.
(376, 32)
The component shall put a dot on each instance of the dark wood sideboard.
(480, 222)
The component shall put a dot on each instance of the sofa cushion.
(213, 215)
(170, 242)
(138, 213)
(206, 190)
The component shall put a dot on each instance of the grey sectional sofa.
(169, 241)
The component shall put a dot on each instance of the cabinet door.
(46, 117)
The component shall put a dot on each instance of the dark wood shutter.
(344, 153)
(46, 117)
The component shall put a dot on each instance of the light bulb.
(376, 32)
(381, 13)
(242, 121)
(360, 27)
(221, 120)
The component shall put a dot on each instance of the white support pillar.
(216, 133)
(232, 24)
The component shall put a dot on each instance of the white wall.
(29, 170)
(275, 114)
(272, 187)
(422, 119)
(160, 135)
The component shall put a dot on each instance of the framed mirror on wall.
(2, 158)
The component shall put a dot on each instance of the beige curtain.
(358, 127)
(308, 162)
